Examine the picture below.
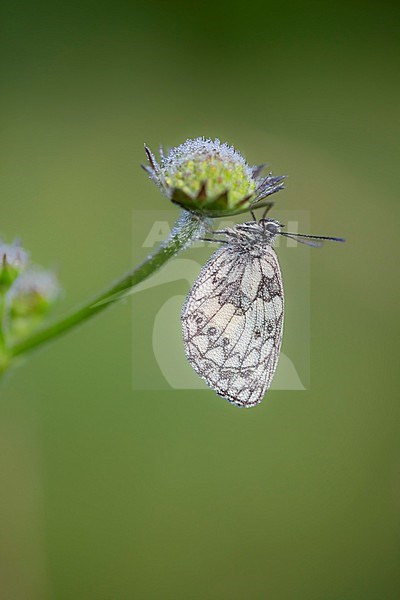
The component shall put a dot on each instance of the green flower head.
(210, 178)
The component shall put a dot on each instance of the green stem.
(3, 345)
(186, 230)
(4, 356)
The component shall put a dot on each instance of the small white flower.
(13, 260)
(33, 293)
(13, 255)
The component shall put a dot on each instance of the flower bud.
(13, 260)
(30, 299)
(210, 178)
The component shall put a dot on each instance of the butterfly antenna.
(306, 239)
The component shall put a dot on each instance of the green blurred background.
(108, 492)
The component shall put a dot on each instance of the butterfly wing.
(232, 323)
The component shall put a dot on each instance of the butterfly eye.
(271, 227)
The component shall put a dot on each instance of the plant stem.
(186, 230)
(4, 356)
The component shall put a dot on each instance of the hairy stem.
(186, 230)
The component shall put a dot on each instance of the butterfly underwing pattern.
(232, 318)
